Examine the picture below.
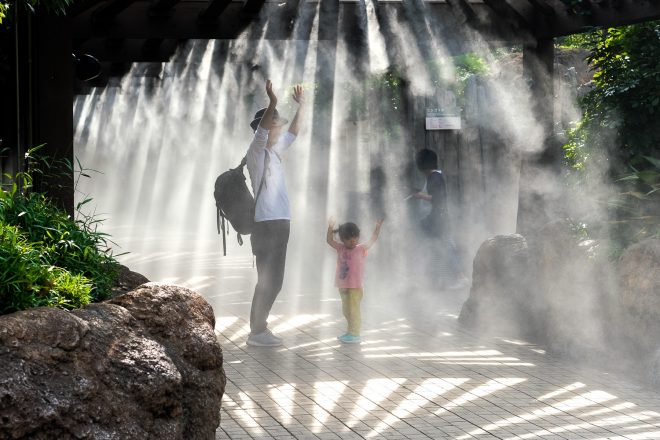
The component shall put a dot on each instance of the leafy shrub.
(80, 266)
(622, 111)
(638, 205)
(7, 8)
(617, 134)
(26, 280)
(72, 245)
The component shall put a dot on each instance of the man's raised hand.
(269, 91)
(298, 94)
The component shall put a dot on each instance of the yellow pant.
(350, 305)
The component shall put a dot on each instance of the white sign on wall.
(442, 121)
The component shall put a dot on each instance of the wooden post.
(15, 80)
(52, 110)
(539, 171)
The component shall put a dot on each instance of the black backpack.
(235, 203)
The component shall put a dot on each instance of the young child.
(350, 271)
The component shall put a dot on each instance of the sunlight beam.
(427, 391)
(326, 395)
(566, 406)
(373, 392)
(285, 397)
(489, 387)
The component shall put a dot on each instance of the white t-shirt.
(273, 201)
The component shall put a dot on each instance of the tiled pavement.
(416, 375)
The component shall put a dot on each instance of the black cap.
(277, 121)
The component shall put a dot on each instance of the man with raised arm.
(272, 214)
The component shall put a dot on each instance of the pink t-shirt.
(350, 266)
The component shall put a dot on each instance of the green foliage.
(574, 152)
(26, 279)
(65, 243)
(618, 133)
(622, 112)
(576, 41)
(8, 8)
(638, 204)
(386, 90)
(390, 86)
(463, 66)
(73, 250)
(627, 78)
(469, 64)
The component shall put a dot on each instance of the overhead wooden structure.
(120, 32)
(148, 30)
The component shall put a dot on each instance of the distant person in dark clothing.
(435, 224)
(434, 192)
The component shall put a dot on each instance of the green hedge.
(49, 259)
(26, 279)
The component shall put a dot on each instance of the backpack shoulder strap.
(263, 177)
(221, 230)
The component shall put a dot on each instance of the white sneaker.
(272, 335)
(264, 339)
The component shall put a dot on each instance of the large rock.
(639, 296)
(550, 288)
(565, 293)
(574, 284)
(144, 365)
(126, 281)
(499, 297)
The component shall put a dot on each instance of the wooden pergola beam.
(128, 20)
(510, 15)
(602, 14)
(156, 50)
(290, 10)
(162, 8)
(213, 11)
(547, 19)
(464, 11)
(110, 11)
(224, 19)
(81, 6)
(543, 8)
(251, 8)
(283, 20)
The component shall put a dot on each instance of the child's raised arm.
(330, 235)
(374, 236)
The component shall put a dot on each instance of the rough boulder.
(143, 365)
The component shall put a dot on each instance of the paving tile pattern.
(416, 375)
